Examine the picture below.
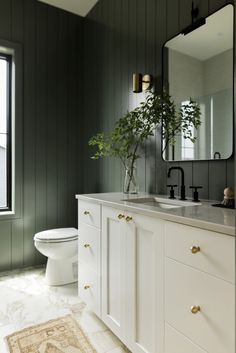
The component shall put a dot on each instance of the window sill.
(5, 215)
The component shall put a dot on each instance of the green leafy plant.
(136, 126)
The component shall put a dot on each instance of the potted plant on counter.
(135, 127)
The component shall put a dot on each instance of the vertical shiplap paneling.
(90, 123)
(17, 17)
(126, 75)
(80, 104)
(99, 70)
(200, 178)
(136, 55)
(203, 6)
(230, 172)
(17, 35)
(29, 131)
(17, 246)
(141, 48)
(185, 17)
(73, 118)
(62, 119)
(132, 38)
(5, 19)
(105, 114)
(111, 178)
(185, 11)
(26, 22)
(132, 50)
(116, 110)
(41, 123)
(150, 152)
(124, 55)
(217, 179)
(52, 118)
(173, 18)
(109, 162)
(5, 245)
(161, 29)
(17, 22)
(214, 5)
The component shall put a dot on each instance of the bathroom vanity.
(159, 273)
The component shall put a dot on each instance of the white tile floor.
(26, 300)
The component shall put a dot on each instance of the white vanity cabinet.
(159, 285)
(199, 290)
(132, 277)
(90, 255)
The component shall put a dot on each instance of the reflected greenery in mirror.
(200, 65)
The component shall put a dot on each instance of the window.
(187, 146)
(5, 132)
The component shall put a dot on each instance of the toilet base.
(59, 272)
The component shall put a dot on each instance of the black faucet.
(182, 188)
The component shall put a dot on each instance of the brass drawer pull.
(86, 287)
(194, 249)
(120, 216)
(86, 213)
(86, 245)
(128, 218)
(195, 309)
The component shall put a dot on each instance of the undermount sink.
(162, 202)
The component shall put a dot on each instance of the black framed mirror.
(200, 65)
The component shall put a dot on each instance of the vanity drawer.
(90, 288)
(89, 246)
(89, 213)
(211, 328)
(175, 342)
(216, 255)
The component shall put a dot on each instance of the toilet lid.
(58, 234)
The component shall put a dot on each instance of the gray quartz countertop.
(202, 215)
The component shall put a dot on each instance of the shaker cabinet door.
(144, 305)
(113, 271)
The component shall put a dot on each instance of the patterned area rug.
(63, 335)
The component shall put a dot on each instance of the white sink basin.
(162, 202)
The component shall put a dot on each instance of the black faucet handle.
(172, 191)
(195, 193)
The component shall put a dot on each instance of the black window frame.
(8, 206)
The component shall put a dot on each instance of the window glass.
(5, 155)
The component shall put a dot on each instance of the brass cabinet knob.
(195, 309)
(86, 213)
(128, 218)
(194, 249)
(86, 245)
(120, 216)
(86, 287)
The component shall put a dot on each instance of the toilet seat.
(57, 235)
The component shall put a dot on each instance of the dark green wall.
(64, 70)
(51, 171)
(123, 37)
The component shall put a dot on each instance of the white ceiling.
(215, 37)
(79, 7)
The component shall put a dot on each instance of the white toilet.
(61, 247)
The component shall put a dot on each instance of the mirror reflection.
(200, 65)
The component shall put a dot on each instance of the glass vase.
(130, 181)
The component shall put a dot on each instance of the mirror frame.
(164, 85)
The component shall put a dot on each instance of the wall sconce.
(141, 82)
